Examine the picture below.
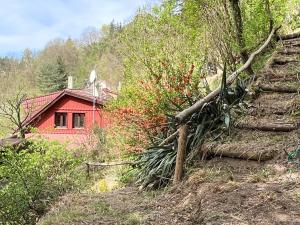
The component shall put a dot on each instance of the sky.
(33, 23)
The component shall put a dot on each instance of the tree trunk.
(22, 133)
(268, 10)
(180, 158)
(238, 22)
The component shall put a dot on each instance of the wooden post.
(180, 158)
(87, 170)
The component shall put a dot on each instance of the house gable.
(45, 121)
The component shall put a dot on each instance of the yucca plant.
(157, 163)
(293, 157)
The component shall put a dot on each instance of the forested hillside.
(176, 38)
(161, 62)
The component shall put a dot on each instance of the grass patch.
(127, 175)
(133, 219)
(295, 113)
(260, 176)
(210, 175)
(297, 195)
(64, 216)
(78, 208)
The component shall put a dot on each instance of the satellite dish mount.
(93, 77)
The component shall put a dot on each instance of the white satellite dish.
(103, 84)
(93, 76)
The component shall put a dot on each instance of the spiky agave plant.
(157, 163)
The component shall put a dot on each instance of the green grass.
(88, 208)
(297, 195)
(4, 131)
(133, 219)
(260, 176)
(79, 208)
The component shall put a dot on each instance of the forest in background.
(160, 55)
(164, 58)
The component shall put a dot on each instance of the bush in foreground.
(33, 176)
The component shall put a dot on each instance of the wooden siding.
(70, 105)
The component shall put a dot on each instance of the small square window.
(61, 120)
(78, 120)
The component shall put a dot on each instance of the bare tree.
(11, 109)
(269, 13)
(239, 28)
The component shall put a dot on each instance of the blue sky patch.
(33, 23)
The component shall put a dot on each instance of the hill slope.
(270, 127)
(222, 190)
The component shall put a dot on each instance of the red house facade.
(67, 115)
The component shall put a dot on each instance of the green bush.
(33, 176)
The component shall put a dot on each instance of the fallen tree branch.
(169, 139)
(96, 164)
(180, 117)
(110, 164)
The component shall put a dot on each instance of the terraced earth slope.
(270, 127)
(263, 189)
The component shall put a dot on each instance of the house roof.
(38, 105)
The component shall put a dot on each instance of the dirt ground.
(218, 191)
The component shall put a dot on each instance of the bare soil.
(218, 191)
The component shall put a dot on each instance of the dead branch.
(180, 117)
(11, 109)
(110, 164)
(169, 139)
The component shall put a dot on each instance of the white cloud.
(32, 23)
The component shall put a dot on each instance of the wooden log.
(180, 117)
(289, 52)
(283, 79)
(249, 155)
(289, 36)
(110, 164)
(292, 44)
(282, 61)
(279, 89)
(97, 164)
(180, 158)
(169, 139)
(268, 127)
(87, 170)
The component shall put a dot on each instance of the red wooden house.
(67, 115)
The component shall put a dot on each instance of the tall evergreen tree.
(53, 76)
